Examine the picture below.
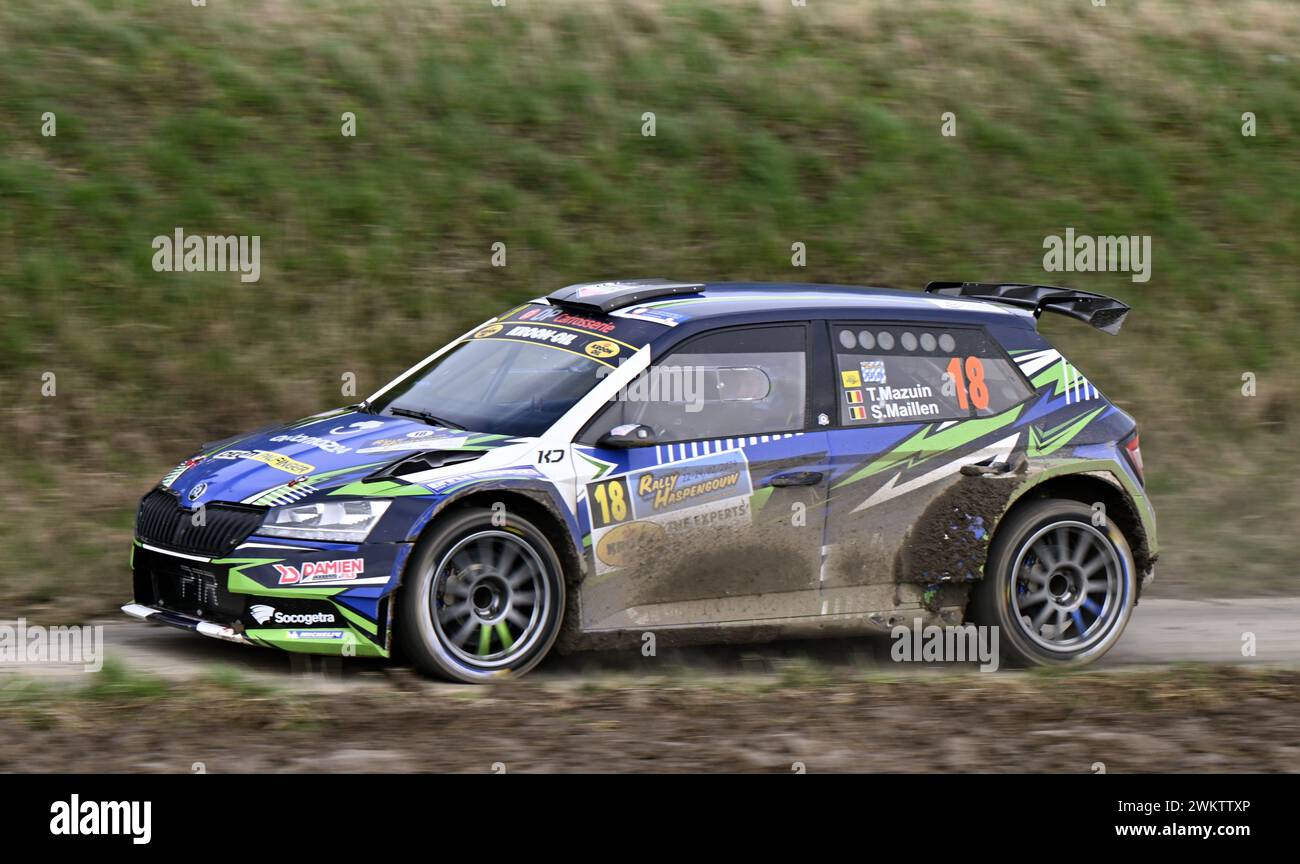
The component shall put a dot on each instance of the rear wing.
(1105, 313)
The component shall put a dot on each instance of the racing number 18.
(611, 502)
(977, 389)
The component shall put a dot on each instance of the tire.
(480, 602)
(1052, 609)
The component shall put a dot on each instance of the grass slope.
(522, 125)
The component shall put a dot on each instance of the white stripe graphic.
(1031, 364)
(998, 451)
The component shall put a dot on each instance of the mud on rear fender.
(948, 545)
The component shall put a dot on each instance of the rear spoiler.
(1105, 313)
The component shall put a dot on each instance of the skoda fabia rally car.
(703, 462)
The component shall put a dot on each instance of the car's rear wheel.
(480, 600)
(1059, 588)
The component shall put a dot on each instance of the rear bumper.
(185, 622)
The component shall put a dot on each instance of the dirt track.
(1190, 719)
(170, 699)
(1162, 632)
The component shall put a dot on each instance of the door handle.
(797, 478)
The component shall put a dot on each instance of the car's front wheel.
(1059, 587)
(480, 600)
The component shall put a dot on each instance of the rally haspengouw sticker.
(632, 514)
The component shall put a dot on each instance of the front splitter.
(185, 622)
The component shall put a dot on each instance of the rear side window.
(919, 374)
(744, 381)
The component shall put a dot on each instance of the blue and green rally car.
(720, 462)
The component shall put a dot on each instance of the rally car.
(700, 462)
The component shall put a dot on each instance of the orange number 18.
(978, 390)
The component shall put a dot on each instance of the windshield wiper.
(431, 419)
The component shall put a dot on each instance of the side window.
(891, 373)
(747, 381)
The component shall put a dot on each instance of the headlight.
(337, 521)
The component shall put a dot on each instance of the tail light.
(1134, 452)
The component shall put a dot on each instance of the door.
(721, 518)
(917, 402)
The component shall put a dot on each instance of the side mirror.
(627, 435)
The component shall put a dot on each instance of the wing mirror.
(627, 435)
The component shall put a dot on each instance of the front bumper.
(185, 622)
(304, 598)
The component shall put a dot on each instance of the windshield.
(496, 385)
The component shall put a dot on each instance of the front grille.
(184, 586)
(193, 592)
(164, 522)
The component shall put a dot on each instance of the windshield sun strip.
(552, 326)
(515, 341)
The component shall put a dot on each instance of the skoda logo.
(197, 491)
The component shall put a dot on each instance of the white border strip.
(175, 554)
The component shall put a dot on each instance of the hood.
(320, 452)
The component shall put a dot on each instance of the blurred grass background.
(522, 124)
